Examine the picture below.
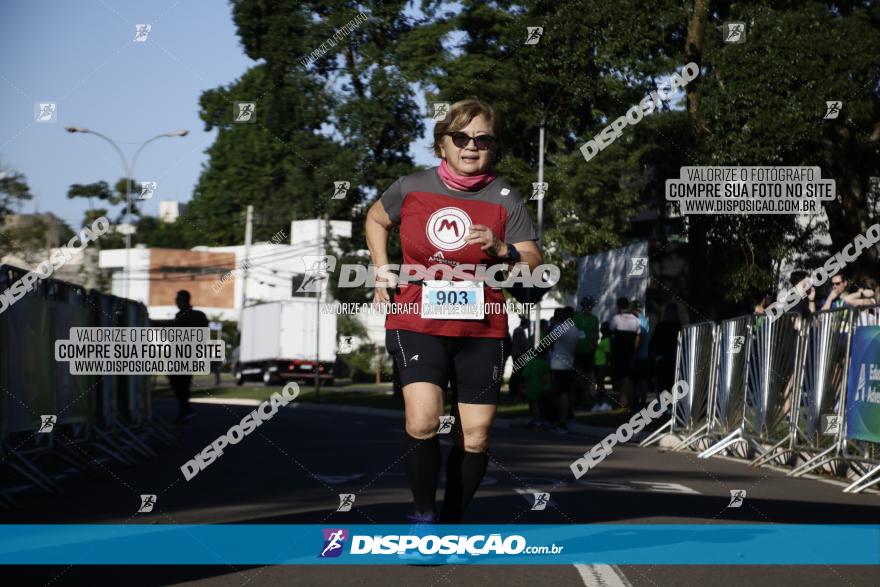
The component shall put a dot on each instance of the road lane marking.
(602, 576)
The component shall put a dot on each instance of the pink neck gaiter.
(464, 183)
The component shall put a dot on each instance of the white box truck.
(278, 342)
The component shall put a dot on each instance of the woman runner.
(458, 213)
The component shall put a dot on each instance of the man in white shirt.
(562, 363)
(625, 339)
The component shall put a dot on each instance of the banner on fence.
(863, 386)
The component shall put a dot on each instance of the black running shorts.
(476, 364)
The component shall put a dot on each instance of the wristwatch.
(513, 255)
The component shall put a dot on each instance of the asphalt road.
(292, 468)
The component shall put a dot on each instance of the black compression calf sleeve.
(422, 461)
(464, 472)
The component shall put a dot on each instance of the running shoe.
(422, 525)
(457, 559)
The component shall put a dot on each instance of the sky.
(81, 54)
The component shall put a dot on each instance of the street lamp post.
(129, 176)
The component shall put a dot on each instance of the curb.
(380, 412)
(505, 423)
(587, 430)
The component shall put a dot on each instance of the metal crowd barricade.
(851, 452)
(26, 377)
(108, 413)
(861, 453)
(822, 389)
(103, 313)
(694, 363)
(726, 417)
(115, 435)
(73, 393)
(775, 371)
(67, 310)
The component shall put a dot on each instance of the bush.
(362, 363)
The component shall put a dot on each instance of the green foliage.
(362, 362)
(14, 191)
(348, 325)
(33, 233)
(101, 191)
(280, 163)
(153, 232)
(760, 102)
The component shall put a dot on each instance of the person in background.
(839, 293)
(546, 400)
(864, 296)
(562, 365)
(603, 358)
(545, 328)
(554, 320)
(625, 329)
(519, 345)
(537, 386)
(585, 351)
(186, 317)
(761, 302)
(806, 306)
(642, 371)
(664, 346)
(760, 310)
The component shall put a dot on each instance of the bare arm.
(863, 297)
(482, 235)
(829, 300)
(378, 226)
(528, 251)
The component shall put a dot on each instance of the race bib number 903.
(452, 300)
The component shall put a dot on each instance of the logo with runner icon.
(446, 424)
(334, 538)
(346, 500)
(447, 228)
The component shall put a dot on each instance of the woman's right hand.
(380, 295)
(384, 279)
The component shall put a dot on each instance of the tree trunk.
(698, 267)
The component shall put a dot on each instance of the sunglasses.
(482, 142)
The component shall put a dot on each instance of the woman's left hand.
(483, 235)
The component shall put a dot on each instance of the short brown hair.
(460, 115)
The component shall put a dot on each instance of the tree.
(153, 232)
(593, 61)
(762, 103)
(283, 163)
(351, 114)
(101, 191)
(14, 191)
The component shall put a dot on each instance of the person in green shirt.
(603, 352)
(585, 351)
(536, 381)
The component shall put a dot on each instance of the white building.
(215, 276)
(170, 210)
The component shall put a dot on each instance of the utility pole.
(537, 306)
(318, 317)
(378, 364)
(129, 177)
(248, 234)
